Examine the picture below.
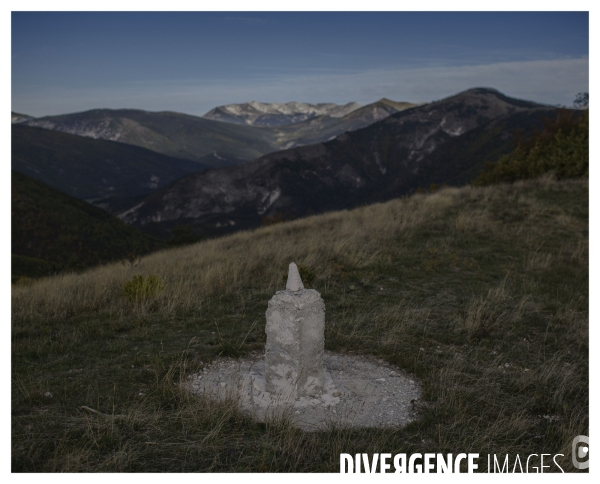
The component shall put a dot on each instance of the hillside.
(442, 142)
(481, 293)
(93, 169)
(53, 232)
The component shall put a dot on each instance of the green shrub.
(562, 148)
(139, 289)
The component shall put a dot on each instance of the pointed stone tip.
(294, 282)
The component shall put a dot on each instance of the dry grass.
(480, 292)
(231, 264)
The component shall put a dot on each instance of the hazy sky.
(193, 61)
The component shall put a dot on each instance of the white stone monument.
(319, 389)
(295, 340)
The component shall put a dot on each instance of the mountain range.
(441, 142)
(330, 161)
(276, 114)
(210, 142)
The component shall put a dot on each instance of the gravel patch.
(359, 391)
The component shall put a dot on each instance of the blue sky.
(193, 61)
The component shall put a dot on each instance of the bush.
(562, 148)
(139, 289)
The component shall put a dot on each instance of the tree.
(582, 100)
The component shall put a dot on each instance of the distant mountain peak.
(277, 114)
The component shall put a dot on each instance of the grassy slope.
(52, 231)
(480, 292)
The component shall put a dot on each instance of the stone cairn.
(295, 340)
